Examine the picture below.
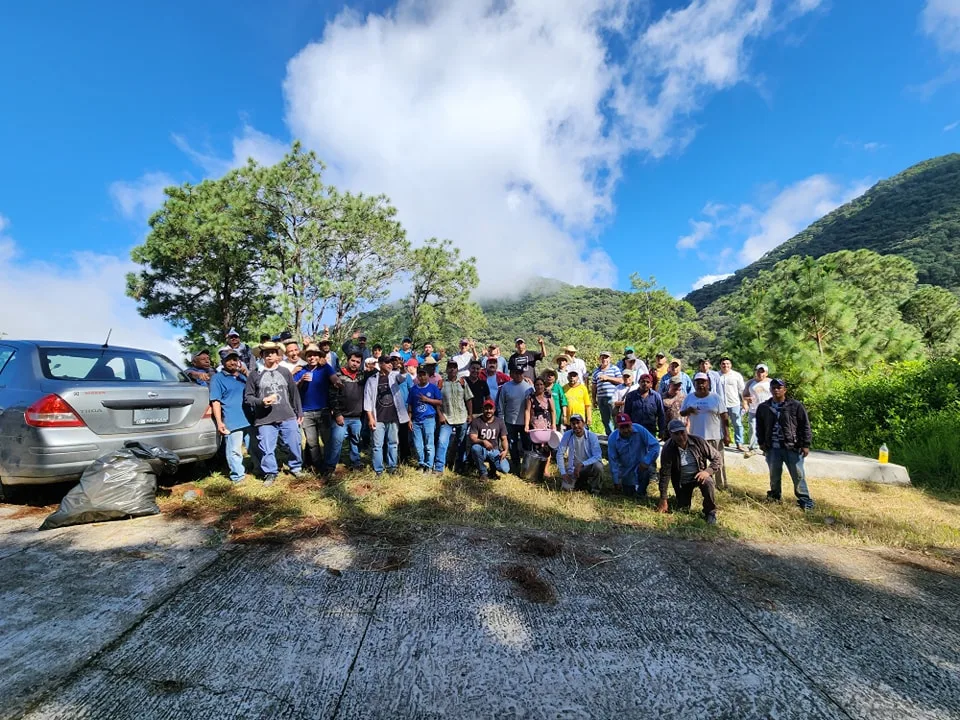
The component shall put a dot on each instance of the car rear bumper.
(40, 463)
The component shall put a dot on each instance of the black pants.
(685, 496)
(519, 443)
(405, 444)
(589, 478)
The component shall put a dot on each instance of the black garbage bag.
(120, 484)
(532, 466)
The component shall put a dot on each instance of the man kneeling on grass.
(578, 457)
(488, 434)
(632, 451)
(689, 462)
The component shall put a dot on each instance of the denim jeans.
(639, 483)
(351, 428)
(776, 457)
(289, 432)
(443, 442)
(423, 440)
(481, 456)
(316, 428)
(234, 449)
(606, 414)
(519, 441)
(735, 416)
(754, 442)
(391, 433)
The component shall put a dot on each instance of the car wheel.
(11, 493)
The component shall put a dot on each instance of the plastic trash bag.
(532, 466)
(118, 485)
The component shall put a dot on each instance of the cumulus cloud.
(705, 280)
(83, 301)
(250, 143)
(940, 19)
(793, 209)
(138, 199)
(701, 231)
(503, 125)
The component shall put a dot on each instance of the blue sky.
(579, 140)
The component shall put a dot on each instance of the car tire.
(10, 493)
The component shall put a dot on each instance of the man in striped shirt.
(606, 379)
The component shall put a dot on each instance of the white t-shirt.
(705, 423)
(293, 367)
(759, 393)
(732, 388)
(581, 367)
(463, 361)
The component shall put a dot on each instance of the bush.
(932, 452)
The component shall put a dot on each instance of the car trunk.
(113, 408)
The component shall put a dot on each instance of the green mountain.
(915, 214)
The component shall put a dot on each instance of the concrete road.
(154, 619)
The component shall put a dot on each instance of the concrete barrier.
(828, 465)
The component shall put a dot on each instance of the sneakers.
(484, 476)
(269, 480)
(296, 473)
(711, 519)
(773, 498)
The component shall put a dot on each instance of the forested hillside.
(915, 214)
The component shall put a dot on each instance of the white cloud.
(951, 127)
(251, 143)
(701, 231)
(793, 209)
(503, 125)
(940, 19)
(140, 198)
(709, 280)
(83, 300)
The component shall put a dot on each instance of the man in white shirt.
(467, 354)
(707, 416)
(292, 360)
(756, 392)
(732, 387)
(577, 364)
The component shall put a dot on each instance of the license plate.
(151, 416)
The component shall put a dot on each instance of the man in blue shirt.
(226, 403)
(406, 350)
(313, 382)
(686, 384)
(632, 452)
(645, 407)
(201, 369)
(428, 351)
(579, 458)
(422, 404)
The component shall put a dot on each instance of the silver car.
(63, 405)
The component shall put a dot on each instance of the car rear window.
(5, 354)
(107, 365)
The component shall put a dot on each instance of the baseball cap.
(624, 419)
(626, 372)
(676, 426)
(394, 354)
(233, 333)
(412, 362)
(464, 341)
(228, 353)
(388, 359)
(452, 363)
(778, 382)
(631, 355)
(676, 379)
(429, 360)
(761, 366)
(702, 376)
(361, 336)
(628, 349)
(492, 360)
(198, 353)
(489, 403)
(406, 339)
(519, 340)
(371, 361)
(576, 416)
(606, 352)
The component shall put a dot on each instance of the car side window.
(149, 370)
(5, 354)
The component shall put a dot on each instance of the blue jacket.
(626, 455)
(593, 450)
(646, 410)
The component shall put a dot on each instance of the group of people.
(488, 411)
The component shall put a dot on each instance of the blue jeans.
(735, 416)
(289, 432)
(423, 440)
(481, 456)
(234, 450)
(390, 432)
(638, 484)
(776, 457)
(754, 441)
(351, 428)
(606, 414)
(443, 442)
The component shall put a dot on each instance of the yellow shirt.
(578, 399)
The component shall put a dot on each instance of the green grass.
(847, 513)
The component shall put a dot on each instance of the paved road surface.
(153, 618)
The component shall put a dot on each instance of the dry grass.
(847, 513)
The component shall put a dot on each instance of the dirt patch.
(362, 489)
(31, 511)
(541, 546)
(532, 587)
(247, 534)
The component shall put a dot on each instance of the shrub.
(932, 452)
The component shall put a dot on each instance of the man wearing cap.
(783, 430)
(688, 462)
(356, 343)
(629, 384)
(606, 379)
(428, 351)
(575, 363)
(455, 417)
(579, 458)
(273, 397)
(673, 402)
(632, 452)
(732, 387)
(386, 406)
(495, 379)
(406, 350)
(526, 361)
(645, 407)
(467, 354)
(756, 392)
(244, 353)
(630, 361)
(512, 408)
(201, 369)
(230, 415)
(493, 351)
(313, 382)
(488, 435)
(707, 418)
(675, 371)
(346, 409)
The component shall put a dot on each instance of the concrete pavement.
(151, 618)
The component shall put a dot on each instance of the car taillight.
(52, 411)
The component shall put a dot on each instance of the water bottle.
(884, 454)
